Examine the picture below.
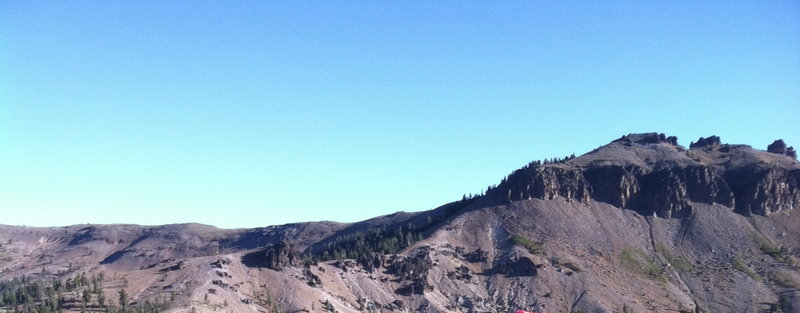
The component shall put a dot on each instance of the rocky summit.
(653, 175)
(641, 224)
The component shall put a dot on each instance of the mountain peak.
(648, 138)
(653, 175)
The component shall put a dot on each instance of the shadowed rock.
(276, 257)
(513, 264)
(705, 142)
(779, 147)
(413, 272)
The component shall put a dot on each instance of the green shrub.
(632, 259)
(532, 246)
(678, 262)
(784, 281)
(628, 258)
(739, 264)
(778, 253)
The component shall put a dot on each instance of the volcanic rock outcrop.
(779, 147)
(652, 175)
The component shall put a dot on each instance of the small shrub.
(778, 253)
(630, 258)
(678, 262)
(652, 268)
(785, 281)
(532, 246)
(739, 264)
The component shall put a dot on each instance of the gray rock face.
(652, 175)
(614, 184)
(544, 182)
(763, 191)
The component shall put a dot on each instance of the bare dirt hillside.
(641, 224)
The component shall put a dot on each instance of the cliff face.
(765, 190)
(652, 175)
(547, 183)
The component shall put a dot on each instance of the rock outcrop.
(652, 175)
(779, 147)
(280, 255)
(763, 191)
(372, 262)
(706, 142)
(413, 272)
(514, 264)
(545, 182)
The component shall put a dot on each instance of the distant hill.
(640, 224)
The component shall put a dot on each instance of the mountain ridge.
(641, 224)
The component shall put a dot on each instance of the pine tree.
(123, 300)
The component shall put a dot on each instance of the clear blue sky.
(243, 114)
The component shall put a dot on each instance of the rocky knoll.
(653, 175)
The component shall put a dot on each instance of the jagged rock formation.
(779, 147)
(655, 176)
(413, 272)
(373, 261)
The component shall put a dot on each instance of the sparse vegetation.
(653, 269)
(56, 295)
(627, 257)
(327, 306)
(765, 245)
(3, 257)
(779, 253)
(739, 264)
(678, 262)
(639, 260)
(784, 280)
(266, 300)
(532, 246)
(383, 239)
(386, 240)
(360, 244)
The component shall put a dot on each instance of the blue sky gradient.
(257, 113)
